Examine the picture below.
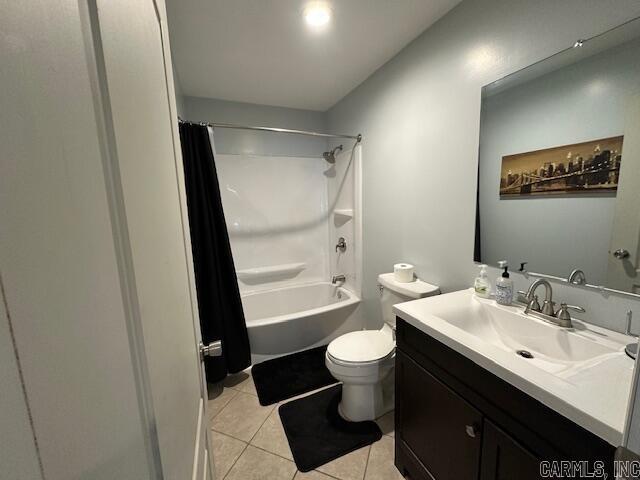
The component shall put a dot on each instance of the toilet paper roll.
(403, 272)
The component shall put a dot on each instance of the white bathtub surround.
(283, 228)
(276, 213)
(344, 186)
(257, 275)
(582, 373)
(286, 214)
(298, 317)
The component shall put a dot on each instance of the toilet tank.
(392, 292)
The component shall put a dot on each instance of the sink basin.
(549, 347)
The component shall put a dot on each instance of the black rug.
(288, 376)
(317, 433)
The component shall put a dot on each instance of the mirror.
(559, 163)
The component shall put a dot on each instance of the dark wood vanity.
(456, 420)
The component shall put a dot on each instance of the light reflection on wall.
(482, 58)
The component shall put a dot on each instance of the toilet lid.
(362, 346)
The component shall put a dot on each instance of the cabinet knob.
(471, 430)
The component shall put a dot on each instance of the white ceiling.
(261, 51)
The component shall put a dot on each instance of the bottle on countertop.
(481, 285)
(504, 285)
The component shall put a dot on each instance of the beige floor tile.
(347, 467)
(271, 436)
(256, 464)
(241, 417)
(241, 381)
(312, 475)
(386, 423)
(381, 458)
(218, 399)
(248, 387)
(226, 451)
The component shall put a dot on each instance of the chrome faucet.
(532, 301)
(338, 278)
(562, 317)
(341, 245)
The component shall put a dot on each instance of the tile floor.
(249, 442)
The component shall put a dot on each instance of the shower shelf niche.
(255, 275)
(342, 215)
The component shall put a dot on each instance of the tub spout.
(338, 279)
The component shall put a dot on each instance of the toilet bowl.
(364, 361)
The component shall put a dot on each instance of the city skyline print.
(587, 167)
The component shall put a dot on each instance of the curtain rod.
(358, 137)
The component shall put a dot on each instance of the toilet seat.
(361, 348)
(361, 368)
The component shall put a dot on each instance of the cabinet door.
(505, 459)
(439, 427)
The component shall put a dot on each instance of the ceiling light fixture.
(578, 43)
(317, 14)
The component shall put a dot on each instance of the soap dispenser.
(504, 285)
(481, 285)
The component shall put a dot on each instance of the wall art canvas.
(587, 167)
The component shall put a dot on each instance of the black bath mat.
(291, 375)
(317, 433)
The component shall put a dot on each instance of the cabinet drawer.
(441, 429)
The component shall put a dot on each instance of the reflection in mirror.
(559, 163)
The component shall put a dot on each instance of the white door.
(95, 265)
(624, 250)
(143, 134)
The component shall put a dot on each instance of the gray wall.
(261, 143)
(581, 102)
(420, 116)
(180, 107)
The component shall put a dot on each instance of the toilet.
(364, 361)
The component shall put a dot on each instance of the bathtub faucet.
(338, 278)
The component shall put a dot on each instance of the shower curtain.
(221, 314)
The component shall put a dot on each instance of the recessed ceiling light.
(317, 14)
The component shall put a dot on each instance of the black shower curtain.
(221, 314)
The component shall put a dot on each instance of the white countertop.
(595, 397)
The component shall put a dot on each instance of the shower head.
(330, 156)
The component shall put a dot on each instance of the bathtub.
(286, 320)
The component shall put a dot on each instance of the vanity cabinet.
(504, 458)
(456, 420)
